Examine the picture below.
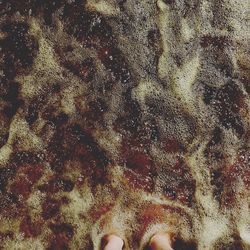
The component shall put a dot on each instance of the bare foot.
(160, 241)
(113, 242)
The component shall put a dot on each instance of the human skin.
(160, 241)
(113, 242)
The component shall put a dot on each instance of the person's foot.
(113, 242)
(160, 241)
